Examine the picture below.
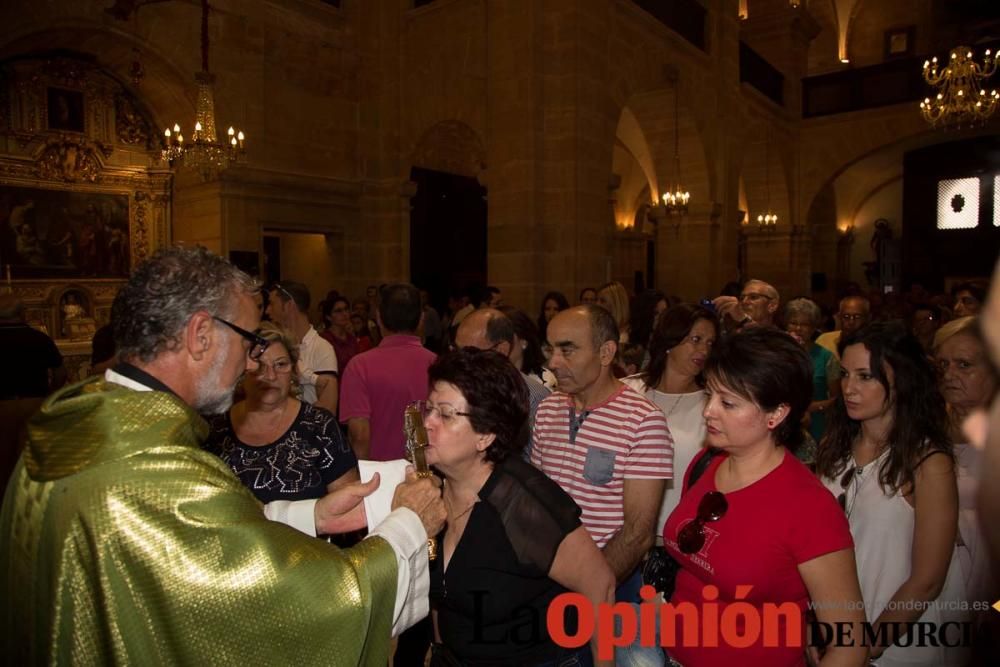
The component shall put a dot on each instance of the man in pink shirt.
(380, 383)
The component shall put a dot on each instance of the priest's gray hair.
(150, 312)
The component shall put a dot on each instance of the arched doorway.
(448, 213)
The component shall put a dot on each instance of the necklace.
(453, 519)
(674, 406)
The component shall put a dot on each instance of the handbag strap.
(700, 466)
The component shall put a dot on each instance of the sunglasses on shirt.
(850, 474)
(712, 507)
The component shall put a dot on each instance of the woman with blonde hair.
(613, 297)
(281, 448)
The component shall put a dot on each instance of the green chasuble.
(122, 542)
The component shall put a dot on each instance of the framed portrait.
(60, 234)
(65, 109)
(899, 42)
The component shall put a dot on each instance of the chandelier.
(676, 198)
(769, 219)
(203, 152)
(962, 98)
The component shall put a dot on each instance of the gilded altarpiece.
(83, 197)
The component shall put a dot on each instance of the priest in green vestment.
(122, 542)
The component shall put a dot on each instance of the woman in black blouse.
(280, 447)
(514, 538)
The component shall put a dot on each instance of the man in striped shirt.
(603, 442)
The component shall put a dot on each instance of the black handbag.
(660, 569)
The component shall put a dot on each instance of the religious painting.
(65, 109)
(62, 234)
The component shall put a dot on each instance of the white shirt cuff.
(405, 533)
(299, 514)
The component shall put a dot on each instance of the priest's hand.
(342, 510)
(423, 496)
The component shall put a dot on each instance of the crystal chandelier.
(962, 98)
(676, 198)
(768, 220)
(203, 152)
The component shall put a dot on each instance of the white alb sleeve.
(405, 533)
(299, 514)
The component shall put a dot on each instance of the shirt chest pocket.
(599, 467)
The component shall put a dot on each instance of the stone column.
(781, 256)
(380, 240)
(689, 251)
(517, 211)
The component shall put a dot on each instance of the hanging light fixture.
(204, 152)
(676, 198)
(962, 98)
(769, 219)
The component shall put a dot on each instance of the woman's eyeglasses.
(280, 367)
(258, 344)
(851, 474)
(446, 413)
(712, 507)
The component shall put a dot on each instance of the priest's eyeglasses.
(257, 343)
(712, 507)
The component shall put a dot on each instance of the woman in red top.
(758, 527)
(339, 332)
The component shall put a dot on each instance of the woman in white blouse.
(680, 344)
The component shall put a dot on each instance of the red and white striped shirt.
(626, 437)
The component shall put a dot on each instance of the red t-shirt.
(770, 527)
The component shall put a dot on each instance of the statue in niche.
(881, 238)
(76, 321)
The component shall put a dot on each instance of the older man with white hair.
(757, 304)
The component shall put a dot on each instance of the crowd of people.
(756, 451)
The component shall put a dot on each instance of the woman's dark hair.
(643, 317)
(533, 358)
(563, 304)
(919, 419)
(495, 392)
(975, 288)
(670, 331)
(330, 304)
(767, 366)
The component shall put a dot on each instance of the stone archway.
(862, 182)
(452, 147)
(643, 168)
(165, 84)
(449, 201)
